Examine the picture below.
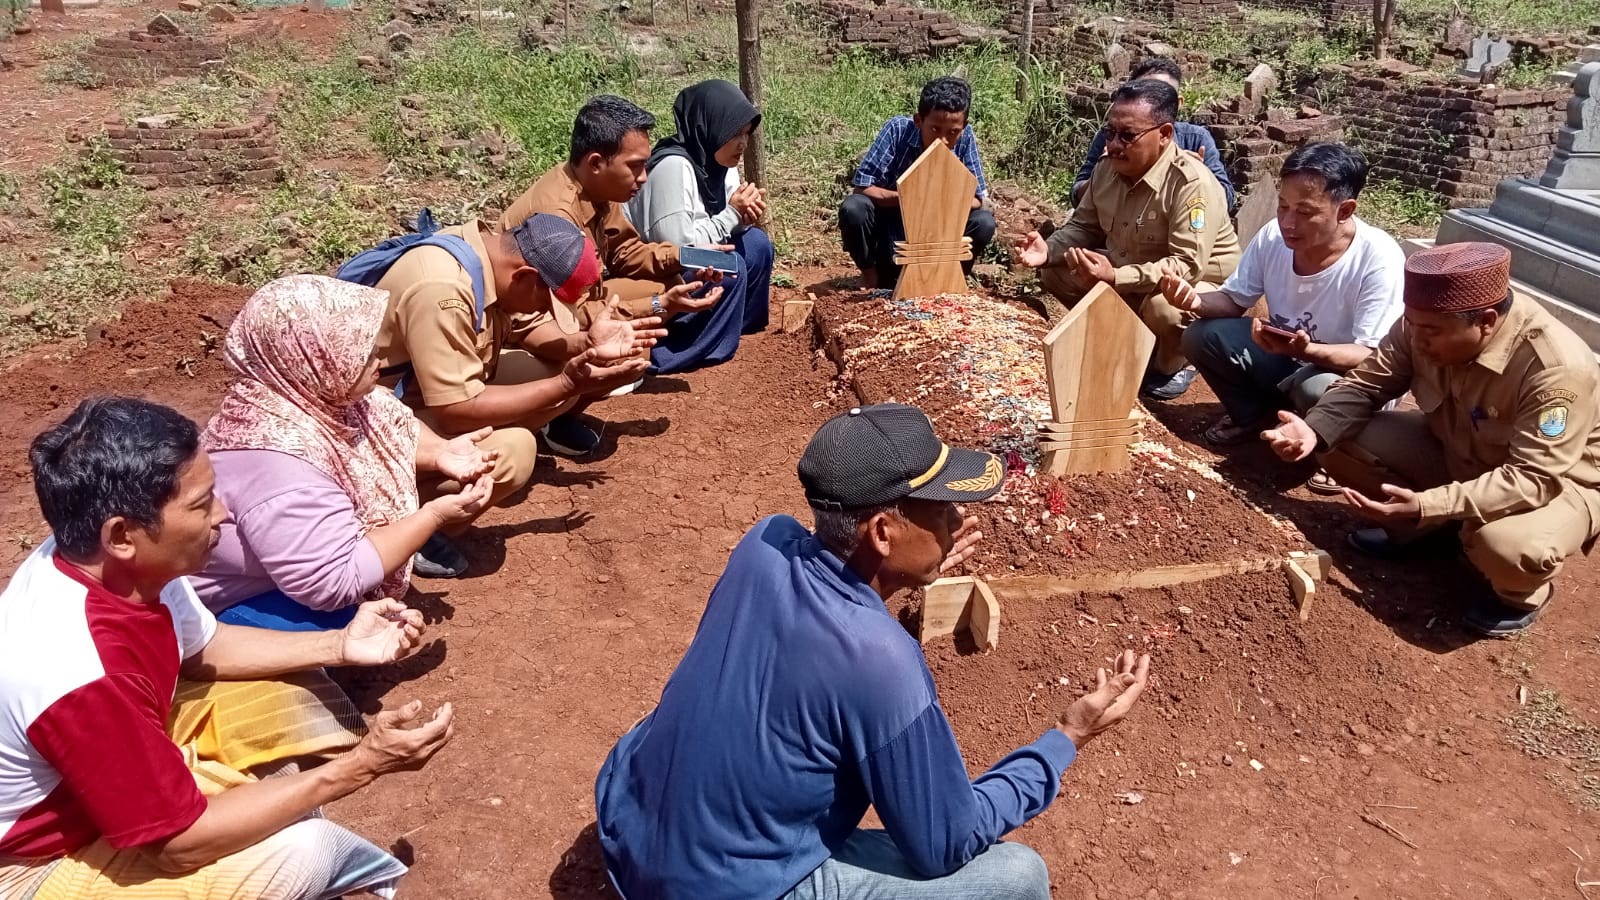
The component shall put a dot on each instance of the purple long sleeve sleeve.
(289, 528)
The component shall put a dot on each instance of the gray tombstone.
(1485, 54)
(1260, 206)
(1575, 164)
(1118, 62)
(1258, 89)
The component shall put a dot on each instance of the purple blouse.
(289, 527)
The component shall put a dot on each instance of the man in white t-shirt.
(1332, 284)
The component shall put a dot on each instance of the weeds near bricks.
(90, 203)
(67, 65)
(1396, 208)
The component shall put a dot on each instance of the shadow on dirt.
(581, 874)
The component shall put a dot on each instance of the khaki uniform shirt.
(622, 253)
(429, 336)
(1518, 423)
(1176, 213)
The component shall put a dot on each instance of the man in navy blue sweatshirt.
(802, 701)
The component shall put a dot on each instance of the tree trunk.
(1382, 26)
(748, 13)
(1025, 52)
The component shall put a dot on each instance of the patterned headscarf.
(297, 349)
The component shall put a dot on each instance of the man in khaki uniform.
(604, 169)
(464, 368)
(1506, 442)
(1152, 208)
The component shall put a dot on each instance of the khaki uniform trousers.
(1163, 319)
(1519, 554)
(519, 450)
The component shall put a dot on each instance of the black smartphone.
(693, 259)
(1277, 330)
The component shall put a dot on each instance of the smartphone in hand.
(693, 259)
(1284, 333)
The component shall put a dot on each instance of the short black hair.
(1341, 167)
(113, 456)
(1476, 315)
(1162, 98)
(945, 94)
(603, 122)
(1156, 65)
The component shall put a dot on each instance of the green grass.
(1536, 16)
(1400, 209)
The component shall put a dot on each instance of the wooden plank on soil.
(944, 604)
(1304, 588)
(796, 315)
(985, 617)
(1037, 587)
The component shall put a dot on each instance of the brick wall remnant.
(1449, 136)
(162, 151)
(896, 29)
(162, 49)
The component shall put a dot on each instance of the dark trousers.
(870, 231)
(708, 337)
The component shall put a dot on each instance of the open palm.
(382, 631)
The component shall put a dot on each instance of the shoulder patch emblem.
(1197, 217)
(455, 303)
(1553, 421)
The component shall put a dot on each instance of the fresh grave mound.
(166, 349)
(976, 366)
(1237, 729)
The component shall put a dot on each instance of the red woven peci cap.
(1461, 277)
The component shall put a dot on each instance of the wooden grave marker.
(1094, 360)
(935, 198)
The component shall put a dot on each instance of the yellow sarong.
(226, 729)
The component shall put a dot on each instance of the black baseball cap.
(873, 455)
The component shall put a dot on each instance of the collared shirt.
(1518, 424)
(1175, 215)
(430, 337)
(1189, 136)
(86, 686)
(898, 145)
(623, 254)
(800, 702)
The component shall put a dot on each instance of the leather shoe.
(1490, 617)
(1377, 542)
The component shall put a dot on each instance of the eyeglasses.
(1125, 137)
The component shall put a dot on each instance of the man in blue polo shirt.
(869, 219)
(802, 701)
(1195, 139)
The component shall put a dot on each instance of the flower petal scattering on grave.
(976, 366)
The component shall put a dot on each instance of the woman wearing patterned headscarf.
(694, 197)
(318, 467)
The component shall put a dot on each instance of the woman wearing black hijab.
(694, 197)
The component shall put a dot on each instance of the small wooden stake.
(1303, 585)
(985, 617)
(796, 314)
(943, 602)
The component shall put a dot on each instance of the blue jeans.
(276, 611)
(1251, 383)
(869, 867)
(708, 337)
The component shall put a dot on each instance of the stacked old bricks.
(896, 30)
(1198, 12)
(160, 49)
(1331, 12)
(1449, 135)
(160, 151)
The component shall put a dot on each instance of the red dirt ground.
(583, 597)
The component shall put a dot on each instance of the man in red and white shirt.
(96, 628)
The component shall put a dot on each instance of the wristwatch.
(655, 305)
